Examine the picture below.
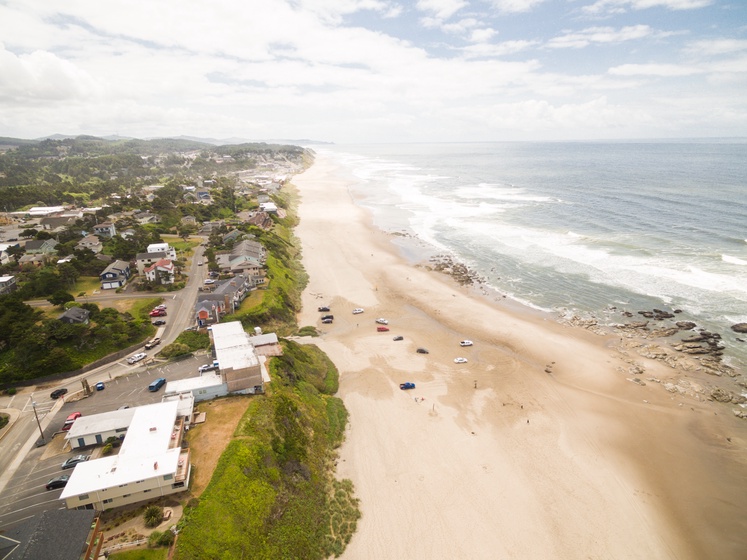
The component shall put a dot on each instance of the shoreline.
(539, 446)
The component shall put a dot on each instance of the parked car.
(327, 321)
(421, 351)
(199, 263)
(460, 360)
(100, 386)
(70, 419)
(327, 317)
(152, 343)
(136, 358)
(209, 281)
(398, 337)
(465, 343)
(382, 329)
(160, 306)
(323, 308)
(213, 274)
(57, 393)
(72, 461)
(381, 321)
(207, 367)
(158, 313)
(408, 385)
(57, 482)
(157, 384)
(357, 310)
(159, 323)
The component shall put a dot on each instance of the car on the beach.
(327, 321)
(407, 385)
(357, 310)
(327, 317)
(57, 393)
(58, 482)
(399, 337)
(421, 351)
(159, 323)
(72, 461)
(382, 329)
(460, 360)
(322, 309)
(382, 321)
(465, 343)
(136, 358)
(100, 386)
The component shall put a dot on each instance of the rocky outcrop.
(739, 327)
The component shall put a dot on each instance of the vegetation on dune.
(273, 494)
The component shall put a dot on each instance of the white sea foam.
(733, 260)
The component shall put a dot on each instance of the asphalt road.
(25, 468)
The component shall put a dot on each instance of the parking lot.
(25, 494)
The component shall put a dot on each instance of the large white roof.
(232, 346)
(99, 423)
(193, 383)
(144, 454)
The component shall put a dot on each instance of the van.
(157, 384)
(70, 419)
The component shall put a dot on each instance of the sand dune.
(538, 447)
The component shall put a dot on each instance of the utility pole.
(33, 405)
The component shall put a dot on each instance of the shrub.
(153, 516)
(153, 539)
(107, 449)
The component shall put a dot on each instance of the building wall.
(148, 489)
(90, 439)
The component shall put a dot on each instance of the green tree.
(60, 297)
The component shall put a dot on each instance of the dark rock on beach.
(739, 327)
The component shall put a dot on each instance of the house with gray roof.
(75, 316)
(115, 275)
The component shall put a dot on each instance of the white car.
(357, 310)
(136, 358)
(209, 281)
(460, 360)
(465, 343)
(382, 321)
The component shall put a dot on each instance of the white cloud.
(515, 6)
(441, 9)
(586, 37)
(482, 35)
(710, 47)
(660, 70)
(490, 50)
(621, 6)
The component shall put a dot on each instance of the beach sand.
(540, 447)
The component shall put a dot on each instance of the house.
(56, 223)
(4, 254)
(261, 219)
(95, 429)
(160, 272)
(268, 207)
(7, 285)
(35, 260)
(224, 299)
(90, 242)
(75, 316)
(115, 275)
(41, 246)
(232, 236)
(163, 247)
(189, 221)
(105, 229)
(57, 534)
(145, 260)
(151, 463)
(146, 218)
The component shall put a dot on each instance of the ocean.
(586, 229)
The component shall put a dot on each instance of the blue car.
(100, 386)
(408, 385)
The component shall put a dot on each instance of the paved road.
(125, 384)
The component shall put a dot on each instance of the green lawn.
(87, 284)
(141, 554)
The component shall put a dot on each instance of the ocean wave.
(733, 260)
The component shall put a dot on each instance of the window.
(83, 497)
(168, 476)
(140, 481)
(126, 495)
(108, 500)
(146, 491)
(119, 430)
(178, 485)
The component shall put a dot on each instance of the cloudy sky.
(375, 70)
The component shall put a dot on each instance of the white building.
(150, 464)
(97, 428)
(163, 248)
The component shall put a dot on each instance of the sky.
(373, 71)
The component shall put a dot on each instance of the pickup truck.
(152, 343)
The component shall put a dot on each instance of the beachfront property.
(105, 229)
(8, 284)
(241, 370)
(150, 463)
(97, 428)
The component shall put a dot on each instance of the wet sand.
(539, 447)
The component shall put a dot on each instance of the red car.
(158, 313)
(382, 329)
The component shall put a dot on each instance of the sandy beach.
(539, 447)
